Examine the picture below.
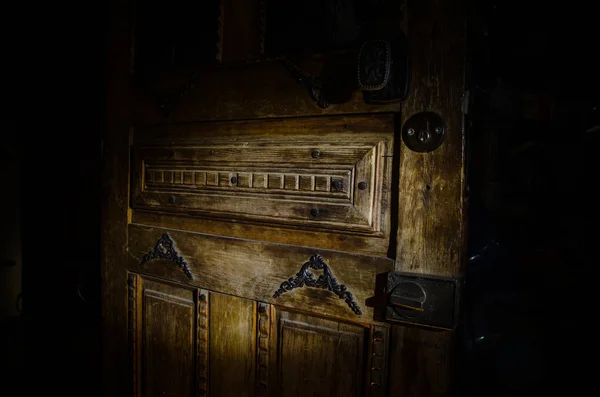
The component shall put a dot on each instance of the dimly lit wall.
(56, 96)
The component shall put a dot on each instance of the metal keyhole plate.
(424, 132)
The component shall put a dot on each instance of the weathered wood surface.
(232, 346)
(431, 209)
(263, 178)
(255, 270)
(168, 339)
(422, 362)
(432, 200)
(318, 356)
(241, 91)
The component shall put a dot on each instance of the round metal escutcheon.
(424, 132)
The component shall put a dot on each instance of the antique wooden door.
(250, 224)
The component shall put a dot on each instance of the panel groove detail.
(134, 339)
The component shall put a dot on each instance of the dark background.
(529, 302)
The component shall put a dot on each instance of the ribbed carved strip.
(264, 330)
(202, 342)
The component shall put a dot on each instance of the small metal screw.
(316, 154)
(438, 130)
(262, 308)
(411, 131)
(337, 185)
(202, 297)
(315, 212)
(362, 185)
(234, 180)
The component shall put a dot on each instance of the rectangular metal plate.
(436, 307)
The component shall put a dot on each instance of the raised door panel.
(232, 347)
(316, 356)
(193, 342)
(319, 357)
(317, 177)
(163, 338)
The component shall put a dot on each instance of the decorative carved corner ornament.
(165, 249)
(325, 281)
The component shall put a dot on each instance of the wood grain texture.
(282, 235)
(431, 209)
(355, 127)
(239, 30)
(115, 158)
(422, 363)
(179, 179)
(232, 346)
(318, 357)
(430, 218)
(283, 170)
(267, 200)
(255, 270)
(432, 201)
(242, 91)
(169, 333)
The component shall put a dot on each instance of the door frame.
(431, 209)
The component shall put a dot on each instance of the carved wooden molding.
(326, 181)
(132, 308)
(165, 249)
(264, 330)
(378, 375)
(202, 342)
(325, 281)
